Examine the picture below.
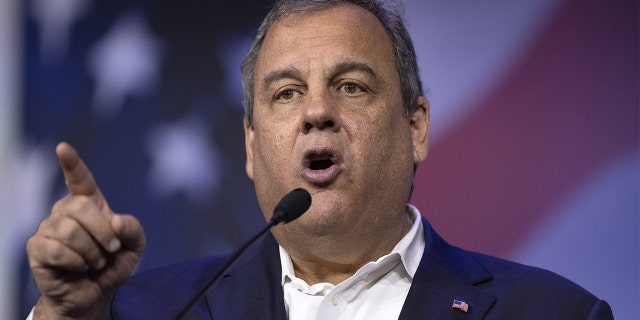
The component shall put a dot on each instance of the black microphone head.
(291, 206)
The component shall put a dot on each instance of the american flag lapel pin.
(460, 305)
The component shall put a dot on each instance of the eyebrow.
(350, 66)
(288, 73)
(340, 68)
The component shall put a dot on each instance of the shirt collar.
(409, 248)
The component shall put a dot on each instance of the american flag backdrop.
(534, 150)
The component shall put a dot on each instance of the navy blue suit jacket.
(493, 288)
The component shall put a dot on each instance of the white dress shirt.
(376, 291)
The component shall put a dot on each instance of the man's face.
(328, 117)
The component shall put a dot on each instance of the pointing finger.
(77, 176)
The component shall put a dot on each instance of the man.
(334, 105)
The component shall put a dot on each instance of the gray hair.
(389, 13)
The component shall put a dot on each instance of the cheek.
(387, 146)
(272, 150)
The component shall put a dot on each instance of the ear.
(420, 130)
(248, 143)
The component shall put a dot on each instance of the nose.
(321, 114)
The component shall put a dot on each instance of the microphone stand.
(226, 266)
(290, 207)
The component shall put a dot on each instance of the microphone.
(290, 207)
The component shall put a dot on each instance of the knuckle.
(32, 244)
(58, 207)
(67, 230)
(80, 204)
(56, 253)
(45, 225)
(72, 205)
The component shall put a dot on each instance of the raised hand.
(83, 251)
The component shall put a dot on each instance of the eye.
(351, 88)
(286, 94)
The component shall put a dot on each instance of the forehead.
(327, 37)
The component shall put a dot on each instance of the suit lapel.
(446, 273)
(251, 289)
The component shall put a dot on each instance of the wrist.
(49, 310)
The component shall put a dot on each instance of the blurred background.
(534, 148)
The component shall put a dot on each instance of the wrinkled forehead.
(334, 35)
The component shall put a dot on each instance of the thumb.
(129, 230)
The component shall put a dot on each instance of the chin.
(321, 222)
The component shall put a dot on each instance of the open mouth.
(320, 160)
(321, 166)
